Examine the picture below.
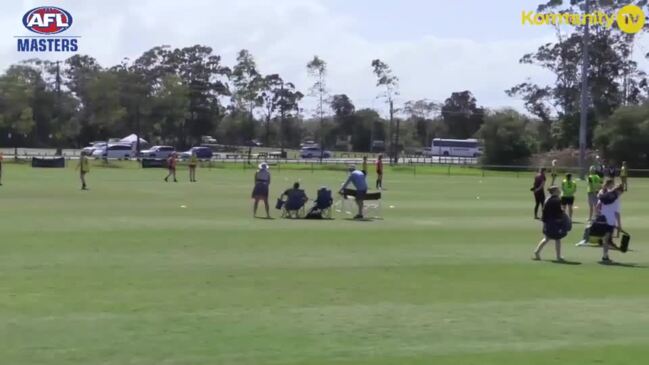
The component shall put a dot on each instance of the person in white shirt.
(260, 192)
(609, 207)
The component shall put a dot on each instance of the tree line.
(176, 95)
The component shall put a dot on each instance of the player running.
(171, 165)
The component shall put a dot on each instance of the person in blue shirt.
(356, 178)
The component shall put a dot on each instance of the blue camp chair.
(293, 207)
(324, 203)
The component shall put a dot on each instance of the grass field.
(123, 275)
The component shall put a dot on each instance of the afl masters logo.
(47, 22)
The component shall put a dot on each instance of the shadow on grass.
(359, 220)
(565, 262)
(623, 264)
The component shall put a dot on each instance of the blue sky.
(435, 47)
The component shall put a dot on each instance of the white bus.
(456, 147)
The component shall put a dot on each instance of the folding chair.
(294, 206)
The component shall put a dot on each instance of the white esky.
(435, 47)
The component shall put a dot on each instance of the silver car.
(158, 152)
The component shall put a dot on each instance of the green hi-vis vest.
(594, 183)
(568, 188)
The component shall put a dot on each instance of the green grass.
(123, 275)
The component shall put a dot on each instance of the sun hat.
(263, 166)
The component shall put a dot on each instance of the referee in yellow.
(568, 190)
(624, 176)
(84, 168)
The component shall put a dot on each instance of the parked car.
(93, 146)
(309, 143)
(378, 146)
(208, 139)
(314, 152)
(253, 143)
(160, 152)
(203, 153)
(118, 151)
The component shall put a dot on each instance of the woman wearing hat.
(555, 225)
(260, 192)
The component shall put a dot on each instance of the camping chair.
(323, 203)
(294, 205)
(595, 232)
(372, 203)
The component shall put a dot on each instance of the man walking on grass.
(84, 167)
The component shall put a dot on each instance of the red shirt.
(171, 163)
(379, 166)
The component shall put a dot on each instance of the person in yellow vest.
(1, 158)
(594, 186)
(553, 172)
(568, 190)
(193, 162)
(624, 175)
(84, 168)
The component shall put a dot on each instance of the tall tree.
(420, 113)
(247, 83)
(271, 87)
(614, 77)
(343, 113)
(317, 69)
(287, 100)
(390, 83)
(462, 115)
(204, 75)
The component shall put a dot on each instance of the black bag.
(314, 214)
(624, 244)
(555, 229)
(279, 204)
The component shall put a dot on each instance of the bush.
(506, 139)
(624, 136)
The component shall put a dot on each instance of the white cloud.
(284, 35)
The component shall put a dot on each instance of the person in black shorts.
(539, 194)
